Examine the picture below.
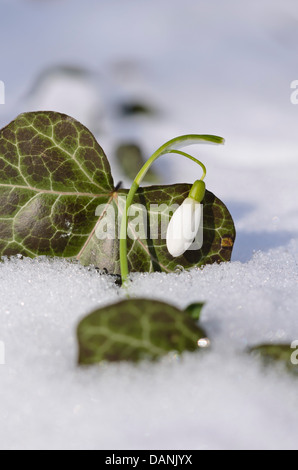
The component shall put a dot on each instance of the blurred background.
(138, 73)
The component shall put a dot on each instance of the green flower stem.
(183, 154)
(169, 147)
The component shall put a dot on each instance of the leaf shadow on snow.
(249, 242)
(239, 210)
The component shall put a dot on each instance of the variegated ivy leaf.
(57, 196)
(136, 329)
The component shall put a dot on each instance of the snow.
(222, 399)
(222, 68)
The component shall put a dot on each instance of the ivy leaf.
(56, 192)
(53, 174)
(277, 354)
(136, 329)
(147, 254)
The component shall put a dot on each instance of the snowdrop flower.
(186, 221)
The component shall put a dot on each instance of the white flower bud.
(184, 226)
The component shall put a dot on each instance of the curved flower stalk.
(190, 222)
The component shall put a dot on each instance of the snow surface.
(205, 67)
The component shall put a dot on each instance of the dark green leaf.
(194, 310)
(56, 190)
(135, 109)
(136, 329)
(130, 158)
(277, 354)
